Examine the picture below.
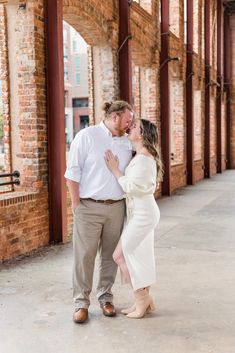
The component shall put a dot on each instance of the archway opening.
(76, 83)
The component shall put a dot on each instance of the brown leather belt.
(106, 202)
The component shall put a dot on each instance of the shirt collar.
(109, 133)
(104, 127)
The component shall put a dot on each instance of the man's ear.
(114, 117)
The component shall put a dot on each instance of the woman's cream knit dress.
(137, 239)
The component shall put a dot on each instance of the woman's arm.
(112, 163)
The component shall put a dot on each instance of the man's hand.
(112, 161)
(74, 206)
(74, 193)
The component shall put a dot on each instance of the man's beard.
(120, 131)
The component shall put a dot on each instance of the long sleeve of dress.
(138, 179)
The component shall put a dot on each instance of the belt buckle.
(107, 202)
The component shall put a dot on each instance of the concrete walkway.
(194, 291)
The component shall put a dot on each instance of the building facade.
(172, 59)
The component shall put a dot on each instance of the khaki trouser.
(97, 227)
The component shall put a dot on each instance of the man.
(98, 205)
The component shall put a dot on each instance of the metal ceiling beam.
(227, 83)
(189, 95)
(218, 89)
(124, 52)
(56, 120)
(164, 98)
(207, 170)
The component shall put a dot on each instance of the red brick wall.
(24, 218)
(23, 223)
(136, 90)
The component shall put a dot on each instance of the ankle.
(140, 290)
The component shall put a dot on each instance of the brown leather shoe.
(108, 309)
(80, 315)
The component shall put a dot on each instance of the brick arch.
(88, 20)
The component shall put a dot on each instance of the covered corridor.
(194, 291)
(172, 60)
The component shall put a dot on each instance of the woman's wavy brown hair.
(149, 134)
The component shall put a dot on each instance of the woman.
(134, 253)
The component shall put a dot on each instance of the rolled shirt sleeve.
(77, 156)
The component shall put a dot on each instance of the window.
(66, 97)
(84, 121)
(75, 46)
(77, 63)
(66, 73)
(65, 53)
(80, 102)
(66, 129)
(78, 78)
(65, 35)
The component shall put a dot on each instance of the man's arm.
(74, 193)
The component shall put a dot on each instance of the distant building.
(75, 82)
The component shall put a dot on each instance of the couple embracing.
(108, 186)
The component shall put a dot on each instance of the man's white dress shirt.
(86, 164)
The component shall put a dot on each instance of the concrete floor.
(194, 291)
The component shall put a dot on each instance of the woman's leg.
(120, 261)
(133, 311)
(118, 257)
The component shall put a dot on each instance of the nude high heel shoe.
(128, 310)
(132, 308)
(143, 303)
